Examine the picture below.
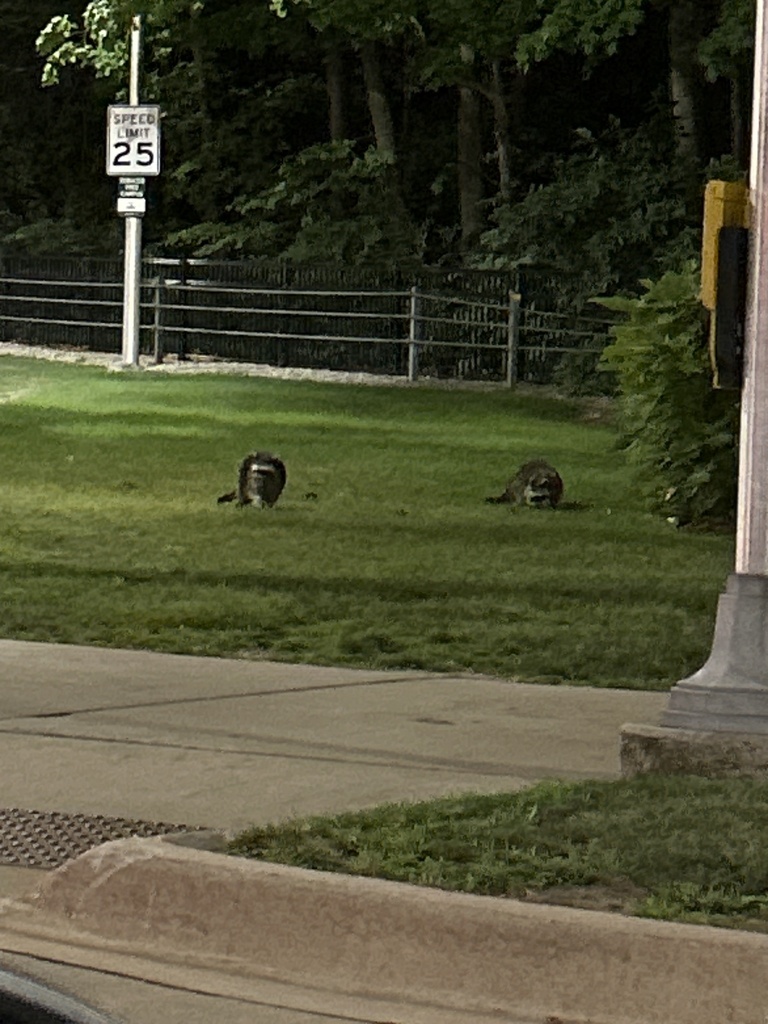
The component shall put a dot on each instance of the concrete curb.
(421, 955)
(645, 749)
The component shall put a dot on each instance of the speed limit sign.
(133, 141)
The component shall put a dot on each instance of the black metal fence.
(474, 325)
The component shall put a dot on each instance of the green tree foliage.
(53, 195)
(535, 119)
(728, 49)
(680, 431)
(100, 42)
(596, 29)
(615, 210)
(327, 203)
(579, 26)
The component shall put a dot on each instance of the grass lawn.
(686, 849)
(381, 552)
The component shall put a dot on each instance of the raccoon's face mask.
(539, 492)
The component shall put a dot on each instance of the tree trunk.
(334, 85)
(378, 104)
(690, 21)
(384, 130)
(470, 161)
(206, 200)
(684, 35)
(470, 156)
(501, 132)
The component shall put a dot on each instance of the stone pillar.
(729, 694)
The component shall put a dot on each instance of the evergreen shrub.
(578, 375)
(679, 429)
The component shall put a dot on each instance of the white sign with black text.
(133, 140)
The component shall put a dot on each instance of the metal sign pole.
(132, 257)
(132, 291)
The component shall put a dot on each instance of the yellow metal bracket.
(726, 205)
(724, 275)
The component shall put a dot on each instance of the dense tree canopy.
(489, 132)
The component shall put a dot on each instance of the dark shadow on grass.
(123, 426)
(575, 506)
(564, 506)
(255, 582)
(507, 595)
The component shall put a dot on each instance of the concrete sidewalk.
(226, 743)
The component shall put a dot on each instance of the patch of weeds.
(678, 848)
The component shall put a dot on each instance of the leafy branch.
(100, 43)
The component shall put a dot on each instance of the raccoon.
(536, 483)
(260, 482)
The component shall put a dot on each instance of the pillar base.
(730, 693)
(649, 749)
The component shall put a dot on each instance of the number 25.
(145, 155)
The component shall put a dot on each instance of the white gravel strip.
(209, 364)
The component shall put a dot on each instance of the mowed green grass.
(687, 849)
(382, 551)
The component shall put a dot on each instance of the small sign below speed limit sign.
(133, 141)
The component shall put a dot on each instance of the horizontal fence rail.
(470, 325)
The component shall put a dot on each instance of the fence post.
(413, 335)
(157, 304)
(513, 337)
(181, 344)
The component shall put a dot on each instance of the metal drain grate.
(46, 839)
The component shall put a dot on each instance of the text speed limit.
(133, 140)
